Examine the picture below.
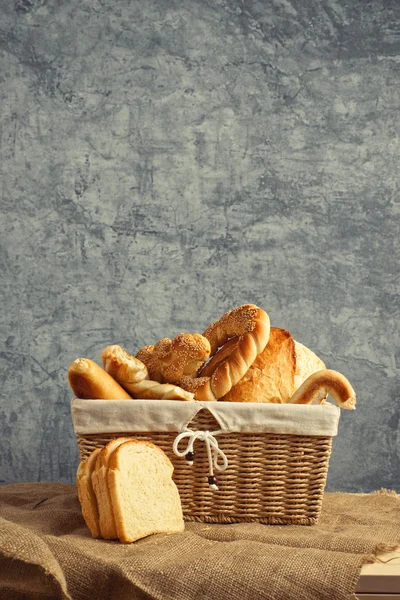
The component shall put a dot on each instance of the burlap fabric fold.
(46, 551)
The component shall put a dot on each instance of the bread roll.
(251, 327)
(122, 366)
(86, 494)
(169, 360)
(316, 387)
(275, 374)
(144, 498)
(152, 390)
(91, 382)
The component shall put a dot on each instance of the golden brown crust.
(89, 381)
(271, 376)
(122, 366)
(169, 360)
(152, 390)
(250, 325)
(317, 386)
(104, 456)
(86, 494)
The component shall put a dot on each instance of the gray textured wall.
(165, 161)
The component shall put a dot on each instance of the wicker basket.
(271, 478)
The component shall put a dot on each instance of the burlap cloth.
(46, 551)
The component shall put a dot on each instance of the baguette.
(250, 326)
(152, 390)
(89, 381)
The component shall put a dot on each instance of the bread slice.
(86, 494)
(89, 381)
(99, 482)
(144, 498)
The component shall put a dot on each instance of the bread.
(315, 389)
(307, 363)
(250, 325)
(152, 390)
(99, 482)
(86, 494)
(122, 366)
(88, 380)
(169, 360)
(146, 356)
(126, 491)
(275, 374)
(144, 498)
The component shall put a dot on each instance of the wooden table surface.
(381, 580)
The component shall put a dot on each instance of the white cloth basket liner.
(92, 417)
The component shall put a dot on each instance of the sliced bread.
(99, 482)
(144, 498)
(86, 494)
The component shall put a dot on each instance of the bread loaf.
(275, 374)
(89, 381)
(145, 500)
(126, 491)
(307, 363)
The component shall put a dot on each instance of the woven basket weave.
(274, 479)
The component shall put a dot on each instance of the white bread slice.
(86, 494)
(144, 498)
(99, 482)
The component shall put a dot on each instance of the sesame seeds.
(178, 361)
(170, 358)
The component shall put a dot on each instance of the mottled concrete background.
(165, 161)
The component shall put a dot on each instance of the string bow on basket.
(213, 451)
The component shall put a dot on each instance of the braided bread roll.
(315, 389)
(169, 360)
(152, 390)
(250, 325)
(276, 373)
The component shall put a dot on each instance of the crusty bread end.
(86, 494)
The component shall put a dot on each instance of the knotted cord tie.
(213, 450)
